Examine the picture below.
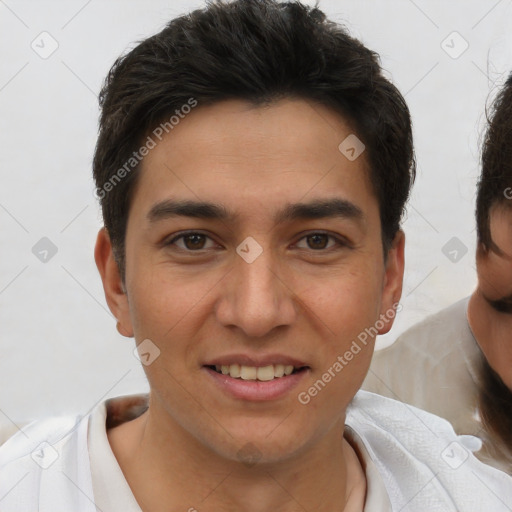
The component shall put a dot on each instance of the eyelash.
(339, 241)
(501, 306)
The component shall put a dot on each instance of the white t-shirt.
(8, 429)
(434, 365)
(413, 462)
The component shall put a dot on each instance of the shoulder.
(434, 330)
(8, 429)
(421, 459)
(42, 465)
(26, 440)
(426, 348)
(440, 348)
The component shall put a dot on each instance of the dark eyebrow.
(321, 209)
(196, 209)
(316, 209)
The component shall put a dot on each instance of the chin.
(262, 447)
(251, 454)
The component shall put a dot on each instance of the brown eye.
(194, 241)
(322, 242)
(317, 241)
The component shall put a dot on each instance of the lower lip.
(256, 390)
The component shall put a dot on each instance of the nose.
(256, 298)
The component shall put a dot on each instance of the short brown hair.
(495, 183)
(259, 51)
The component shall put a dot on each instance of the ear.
(113, 286)
(393, 281)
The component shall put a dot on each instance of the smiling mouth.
(260, 373)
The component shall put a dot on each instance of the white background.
(59, 349)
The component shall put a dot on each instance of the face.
(494, 324)
(253, 247)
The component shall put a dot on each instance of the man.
(457, 363)
(253, 165)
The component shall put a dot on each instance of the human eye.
(191, 241)
(320, 241)
(501, 306)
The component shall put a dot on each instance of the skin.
(491, 327)
(295, 299)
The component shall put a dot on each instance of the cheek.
(158, 302)
(494, 276)
(345, 303)
(345, 312)
(170, 307)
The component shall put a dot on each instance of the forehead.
(256, 157)
(501, 227)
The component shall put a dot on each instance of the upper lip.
(255, 360)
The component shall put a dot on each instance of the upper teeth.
(255, 373)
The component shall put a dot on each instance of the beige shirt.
(413, 462)
(113, 494)
(434, 366)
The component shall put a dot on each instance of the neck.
(169, 469)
